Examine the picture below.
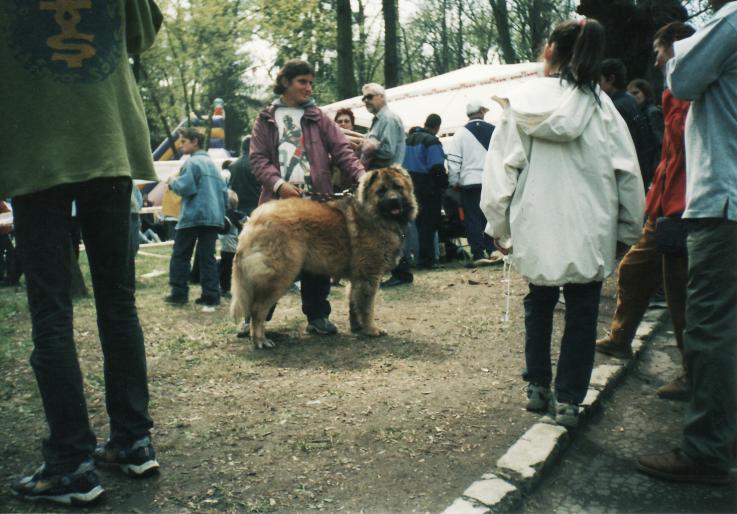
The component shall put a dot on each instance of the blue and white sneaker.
(137, 459)
(80, 487)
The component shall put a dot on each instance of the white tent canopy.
(446, 95)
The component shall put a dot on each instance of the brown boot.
(609, 347)
(679, 467)
(677, 390)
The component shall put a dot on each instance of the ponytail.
(578, 50)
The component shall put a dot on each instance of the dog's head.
(388, 192)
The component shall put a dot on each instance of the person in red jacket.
(644, 269)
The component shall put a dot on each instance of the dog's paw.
(264, 343)
(373, 331)
(356, 328)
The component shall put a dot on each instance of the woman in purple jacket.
(293, 145)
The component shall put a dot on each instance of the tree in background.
(196, 59)
(346, 78)
(392, 71)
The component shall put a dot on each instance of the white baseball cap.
(475, 106)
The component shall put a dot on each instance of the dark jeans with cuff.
(475, 222)
(43, 226)
(576, 359)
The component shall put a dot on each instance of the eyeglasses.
(367, 98)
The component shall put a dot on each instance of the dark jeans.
(43, 226)
(179, 266)
(475, 222)
(314, 290)
(710, 342)
(226, 270)
(429, 198)
(403, 269)
(576, 358)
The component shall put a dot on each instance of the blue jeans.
(43, 226)
(475, 222)
(179, 266)
(576, 358)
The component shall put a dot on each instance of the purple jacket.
(323, 140)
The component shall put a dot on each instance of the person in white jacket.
(466, 158)
(561, 187)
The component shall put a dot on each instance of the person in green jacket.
(78, 133)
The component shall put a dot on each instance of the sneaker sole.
(140, 470)
(78, 499)
(317, 331)
(537, 406)
(567, 421)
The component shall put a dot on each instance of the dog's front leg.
(353, 313)
(363, 300)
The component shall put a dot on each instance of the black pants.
(475, 222)
(576, 359)
(43, 226)
(429, 199)
(314, 290)
(179, 267)
(226, 270)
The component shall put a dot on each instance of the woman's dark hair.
(674, 31)
(291, 69)
(644, 86)
(578, 50)
(345, 112)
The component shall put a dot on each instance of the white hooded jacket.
(561, 183)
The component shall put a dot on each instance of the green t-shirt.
(69, 102)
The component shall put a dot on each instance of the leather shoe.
(676, 390)
(394, 281)
(609, 347)
(679, 467)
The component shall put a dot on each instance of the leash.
(507, 277)
(327, 197)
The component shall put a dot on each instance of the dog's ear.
(373, 177)
(365, 184)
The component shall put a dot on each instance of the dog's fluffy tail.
(240, 304)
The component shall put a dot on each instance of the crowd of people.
(558, 187)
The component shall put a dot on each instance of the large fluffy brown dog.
(359, 238)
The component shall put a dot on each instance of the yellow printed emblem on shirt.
(70, 44)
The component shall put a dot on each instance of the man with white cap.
(466, 158)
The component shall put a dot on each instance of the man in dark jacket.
(613, 82)
(242, 180)
(424, 159)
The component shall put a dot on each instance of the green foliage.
(197, 58)
(301, 30)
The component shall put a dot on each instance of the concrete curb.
(522, 467)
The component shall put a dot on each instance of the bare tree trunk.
(361, 59)
(391, 46)
(444, 45)
(346, 78)
(460, 62)
(501, 20)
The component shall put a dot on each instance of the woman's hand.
(287, 190)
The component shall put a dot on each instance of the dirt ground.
(401, 423)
